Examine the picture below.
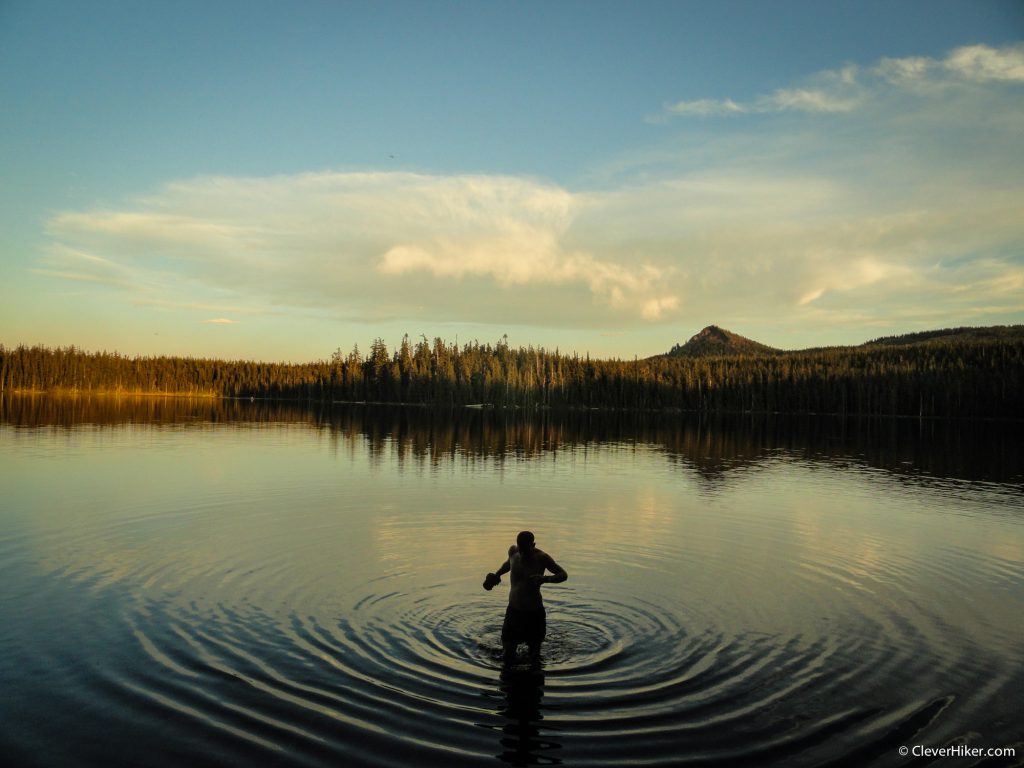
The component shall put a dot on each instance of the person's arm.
(558, 574)
(494, 579)
(506, 566)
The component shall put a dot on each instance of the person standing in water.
(525, 620)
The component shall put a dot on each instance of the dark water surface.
(189, 582)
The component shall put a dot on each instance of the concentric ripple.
(332, 614)
(417, 671)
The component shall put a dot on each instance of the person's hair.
(524, 538)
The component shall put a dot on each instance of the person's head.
(525, 542)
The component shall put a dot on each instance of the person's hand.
(491, 581)
(538, 579)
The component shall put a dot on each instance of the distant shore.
(535, 409)
(75, 392)
(950, 374)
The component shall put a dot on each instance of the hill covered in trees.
(713, 341)
(947, 335)
(956, 375)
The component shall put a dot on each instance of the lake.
(236, 583)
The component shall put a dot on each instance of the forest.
(944, 377)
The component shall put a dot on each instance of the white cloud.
(849, 88)
(982, 63)
(372, 243)
(836, 274)
(782, 100)
(655, 308)
(807, 100)
(838, 90)
(902, 71)
(706, 107)
(221, 321)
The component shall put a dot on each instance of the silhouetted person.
(525, 620)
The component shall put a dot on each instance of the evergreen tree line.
(975, 379)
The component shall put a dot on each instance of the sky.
(274, 181)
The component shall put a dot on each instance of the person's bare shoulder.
(543, 556)
(512, 550)
(549, 562)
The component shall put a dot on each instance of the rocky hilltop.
(718, 341)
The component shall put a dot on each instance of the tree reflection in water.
(715, 446)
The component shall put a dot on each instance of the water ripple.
(265, 630)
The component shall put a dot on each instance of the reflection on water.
(714, 446)
(241, 583)
(525, 738)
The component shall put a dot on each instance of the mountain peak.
(714, 333)
(714, 340)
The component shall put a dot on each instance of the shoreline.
(485, 407)
(63, 392)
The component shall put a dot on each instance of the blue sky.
(273, 181)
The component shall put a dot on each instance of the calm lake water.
(185, 582)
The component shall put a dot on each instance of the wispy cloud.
(809, 100)
(220, 321)
(69, 263)
(851, 87)
(706, 107)
(982, 63)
